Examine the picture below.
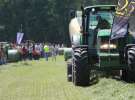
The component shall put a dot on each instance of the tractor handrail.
(96, 6)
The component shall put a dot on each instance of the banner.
(19, 37)
(124, 11)
(120, 27)
(132, 24)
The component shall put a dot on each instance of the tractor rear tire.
(131, 58)
(81, 71)
(129, 74)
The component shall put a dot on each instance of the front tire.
(81, 71)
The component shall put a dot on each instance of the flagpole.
(19, 35)
(21, 28)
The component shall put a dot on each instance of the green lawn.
(41, 80)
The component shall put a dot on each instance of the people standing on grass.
(41, 50)
(30, 49)
(34, 53)
(2, 55)
(53, 52)
(25, 52)
(37, 49)
(57, 49)
(46, 52)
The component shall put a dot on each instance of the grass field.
(41, 80)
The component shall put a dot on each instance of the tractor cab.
(100, 21)
(98, 28)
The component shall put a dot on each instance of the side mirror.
(72, 13)
(82, 8)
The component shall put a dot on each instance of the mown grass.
(41, 80)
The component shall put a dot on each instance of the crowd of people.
(30, 51)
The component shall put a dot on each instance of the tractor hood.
(104, 32)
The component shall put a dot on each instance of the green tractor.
(95, 51)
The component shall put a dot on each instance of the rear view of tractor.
(97, 50)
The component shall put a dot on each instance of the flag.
(119, 28)
(124, 11)
(19, 37)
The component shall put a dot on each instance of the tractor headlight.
(113, 46)
(108, 46)
(104, 46)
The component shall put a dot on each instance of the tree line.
(39, 20)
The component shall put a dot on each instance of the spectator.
(102, 24)
(30, 49)
(2, 56)
(42, 50)
(53, 52)
(57, 49)
(36, 51)
(46, 52)
(25, 52)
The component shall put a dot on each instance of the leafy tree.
(41, 20)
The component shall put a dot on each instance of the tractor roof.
(99, 6)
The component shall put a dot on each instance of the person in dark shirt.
(102, 24)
